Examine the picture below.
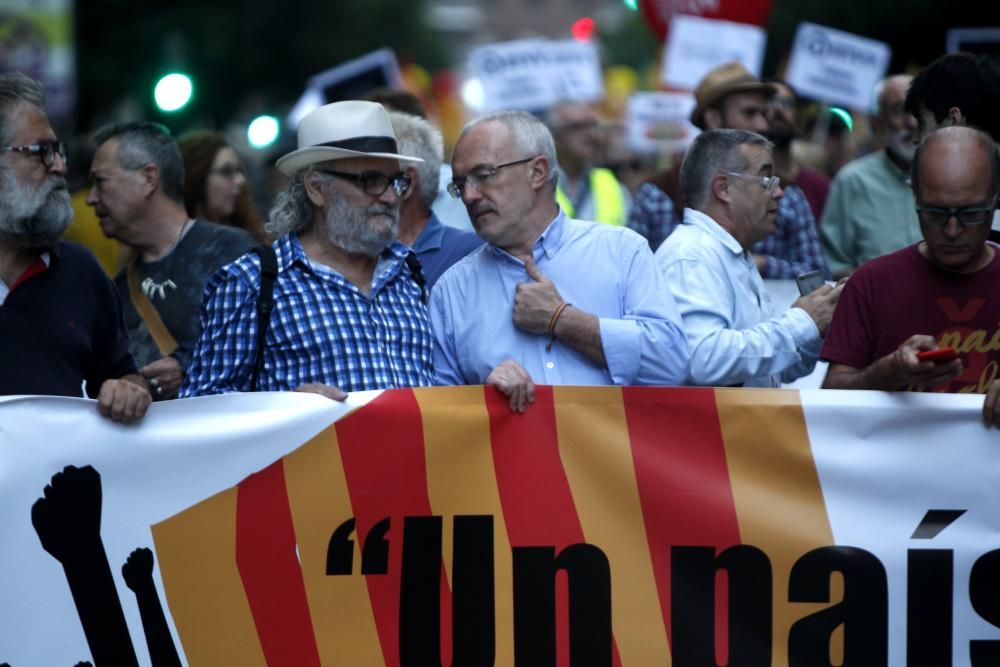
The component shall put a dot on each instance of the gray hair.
(875, 108)
(713, 152)
(531, 137)
(878, 90)
(292, 211)
(416, 137)
(141, 143)
(15, 89)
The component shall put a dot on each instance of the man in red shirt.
(938, 292)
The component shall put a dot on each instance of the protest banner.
(534, 74)
(699, 45)
(835, 66)
(605, 525)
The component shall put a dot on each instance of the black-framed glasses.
(480, 177)
(769, 183)
(46, 150)
(969, 216)
(373, 182)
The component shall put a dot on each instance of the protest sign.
(533, 74)
(836, 67)
(660, 122)
(658, 13)
(698, 45)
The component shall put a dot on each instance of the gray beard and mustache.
(900, 144)
(33, 219)
(348, 228)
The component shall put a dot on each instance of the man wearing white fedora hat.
(348, 309)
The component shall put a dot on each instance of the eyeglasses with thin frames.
(769, 183)
(480, 177)
(373, 182)
(969, 216)
(46, 150)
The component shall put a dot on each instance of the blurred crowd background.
(101, 61)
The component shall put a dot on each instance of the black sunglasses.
(373, 182)
(970, 216)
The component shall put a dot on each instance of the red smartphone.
(938, 356)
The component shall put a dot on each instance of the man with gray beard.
(348, 300)
(61, 320)
(870, 209)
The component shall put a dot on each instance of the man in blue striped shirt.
(349, 312)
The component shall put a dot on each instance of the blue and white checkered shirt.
(794, 248)
(323, 328)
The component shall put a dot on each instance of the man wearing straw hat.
(348, 299)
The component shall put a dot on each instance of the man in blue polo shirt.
(61, 325)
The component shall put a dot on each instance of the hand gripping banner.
(604, 526)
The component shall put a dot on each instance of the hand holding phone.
(939, 356)
(809, 282)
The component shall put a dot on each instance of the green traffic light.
(263, 131)
(632, 4)
(173, 91)
(844, 116)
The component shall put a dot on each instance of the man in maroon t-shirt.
(939, 292)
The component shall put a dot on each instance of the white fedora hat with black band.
(343, 130)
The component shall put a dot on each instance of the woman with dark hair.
(215, 186)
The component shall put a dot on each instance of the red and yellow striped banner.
(436, 527)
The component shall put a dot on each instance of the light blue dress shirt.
(604, 270)
(734, 336)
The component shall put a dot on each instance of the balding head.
(965, 153)
(956, 175)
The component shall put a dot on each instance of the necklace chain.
(180, 235)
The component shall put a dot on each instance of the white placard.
(836, 67)
(533, 74)
(658, 122)
(696, 46)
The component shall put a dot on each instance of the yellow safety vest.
(609, 201)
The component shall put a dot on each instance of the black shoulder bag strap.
(417, 271)
(265, 304)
